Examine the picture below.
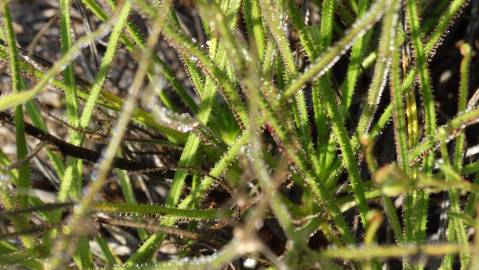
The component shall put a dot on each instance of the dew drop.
(193, 59)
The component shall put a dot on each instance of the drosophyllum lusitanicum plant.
(250, 134)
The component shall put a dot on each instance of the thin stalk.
(399, 119)
(254, 24)
(393, 251)
(71, 184)
(158, 211)
(23, 181)
(464, 74)
(456, 229)
(325, 141)
(71, 178)
(105, 64)
(128, 194)
(381, 69)
(354, 65)
(459, 228)
(216, 261)
(424, 77)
